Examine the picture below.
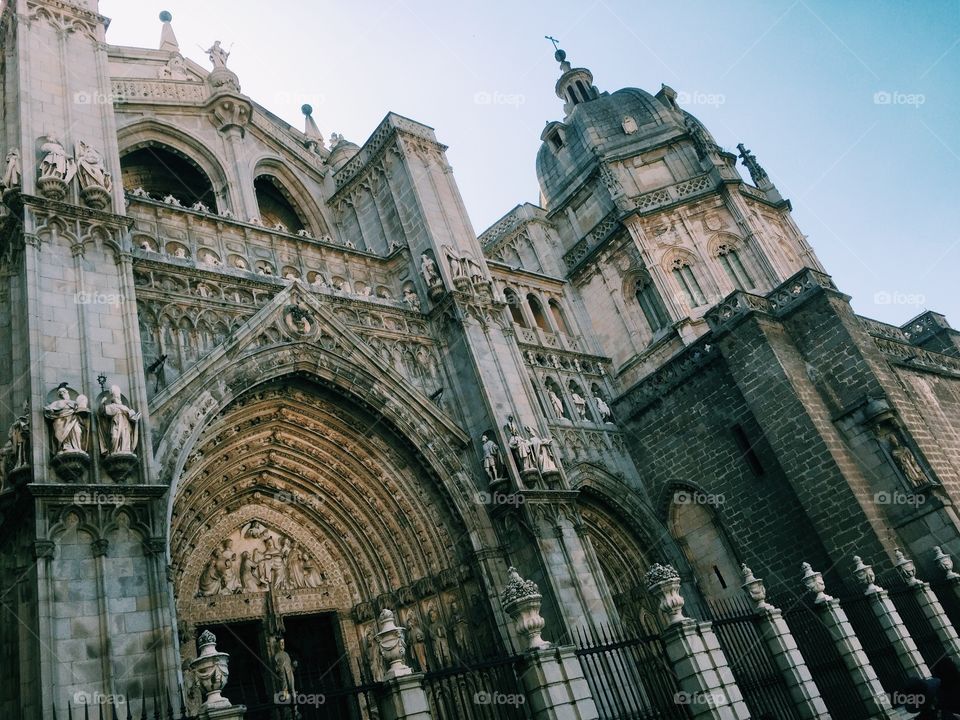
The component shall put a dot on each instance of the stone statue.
(473, 269)
(230, 583)
(580, 403)
(556, 402)
(90, 169)
(19, 439)
(541, 449)
(67, 419)
(605, 413)
(293, 561)
(411, 299)
(283, 673)
(371, 652)
(248, 581)
(461, 636)
(55, 163)
(210, 579)
(175, 69)
(491, 457)
(118, 425)
(438, 637)
(312, 578)
(522, 452)
(457, 270)
(418, 644)
(907, 462)
(218, 56)
(428, 268)
(12, 169)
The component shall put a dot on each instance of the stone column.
(405, 698)
(930, 604)
(897, 634)
(553, 680)
(695, 654)
(211, 670)
(862, 674)
(776, 634)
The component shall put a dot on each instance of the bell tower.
(82, 515)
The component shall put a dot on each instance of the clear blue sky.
(874, 184)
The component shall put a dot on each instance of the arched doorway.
(300, 514)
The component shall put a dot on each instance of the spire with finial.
(575, 85)
(168, 40)
(758, 174)
(314, 139)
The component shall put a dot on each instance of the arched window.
(684, 276)
(536, 310)
(162, 173)
(513, 302)
(730, 259)
(275, 208)
(558, 317)
(651, 305)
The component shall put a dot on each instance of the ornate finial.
(906, 568)
(865, 575)
(521, 600)
(206, 638)
(556, 43)
(314, 138)
(945, 563)
(813, 581)
(757, 173)
(102, 381)
(755, 589)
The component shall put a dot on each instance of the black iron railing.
(630, 676)
(484, 690)
(763, 686)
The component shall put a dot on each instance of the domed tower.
(656, 223)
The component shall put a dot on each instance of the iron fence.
(881, 653)
(918, 625)
(158, 707)
(630, 675)
(826, 667)
(486, 690)
(761, 683)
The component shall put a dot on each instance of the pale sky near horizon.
(851, 106)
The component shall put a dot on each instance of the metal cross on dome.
(556, 43)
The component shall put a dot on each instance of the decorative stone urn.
(945, 563)
(755, 589)
(95, 197)
(865, 575)
(663, 582)
(521, 601)
(52, 187)
(211, 671)
(813, 581)
(393, 645)
(906, 568)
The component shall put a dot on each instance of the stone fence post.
(405, 698)
(211, 670)
(897, 634)
(786, 655)
(695, 654)
(930, 605)
(862, 674)
(553, 680)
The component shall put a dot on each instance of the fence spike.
(86, 710)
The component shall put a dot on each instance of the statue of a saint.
(541, 449)
(522, 452)
(283, 673)
(907, 462)
(411, 299)
(580, 403)
(19, 437)
(90, 169)
(12, 169)
(428, 268)
(418, 643)
(556, 402)
(491, 456)
(118, 425)
(211, 581)
(438, 636)
(605, 413)
(67, 420)
(218, 56)
(248, 581)
(55, 163)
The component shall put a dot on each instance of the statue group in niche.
(86, 164)
(264, 562)
(428, 268)
(907, 462)
(531, 452)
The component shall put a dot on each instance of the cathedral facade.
(267, 383)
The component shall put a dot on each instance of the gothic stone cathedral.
(271, 384)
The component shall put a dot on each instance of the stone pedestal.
(405, 699)
(234, 712)
(786, 655)
(555, 687)
(890, 621)
(862, 675)
(706, 681)
(930, 605)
